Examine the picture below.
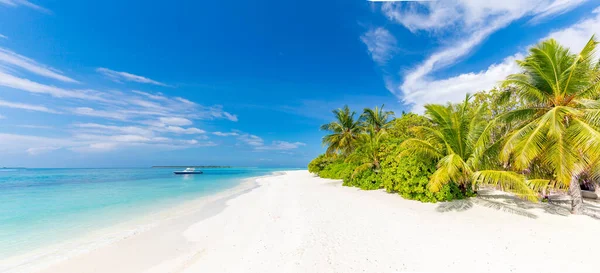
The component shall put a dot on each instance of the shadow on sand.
(511, 204)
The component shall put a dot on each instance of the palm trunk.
(575, 193)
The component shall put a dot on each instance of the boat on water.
(188, 171)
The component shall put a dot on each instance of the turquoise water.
(45, 206)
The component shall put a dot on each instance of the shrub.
(409, 176)
(338, 169)
(366, 180)
(319, 163)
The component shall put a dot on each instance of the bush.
(409, 176)
(338, 169)
(366, 180)
(319, 163)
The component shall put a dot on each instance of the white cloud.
(31, 126)
(555, 8)
(225, 134)
(282, 146)
(419, 89)
(380, 43)
(3, 37)
(124, 76)
(16, 3)
(228, 116)
(180, 130)
(258, 144)
(13, 59)
(38, 88)
(188, 102)
(464, 16)
(148, 104)
(175, 121)
(25, 106)
(100, 128)
(145, 120)
(103, 146)
(14, 143)
(2, 117)
(153, 96)
(577, 35)
(41, 150)
(87, 111)
(463, 24)
(251, 140)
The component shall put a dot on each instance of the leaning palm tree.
(344, 132)
(377, 118)
(560, 119)
(368, 152)
(457, 142)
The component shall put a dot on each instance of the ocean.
(40, 207)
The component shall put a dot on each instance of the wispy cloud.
(465, 24)
(91, 112)
(107, 140)
(282, 146)
(25, 3)
(251, 140)
(158, 96)
(422, 90)
(121, 120)
(3, 37)
(101, 133)
(24, 106)
(175, 121)
(225, 134)
(180, 130)
(258, 144)
(555, 8)
(33, 126)
(380, 43)
(41, 150)
(125, 76)
(96, 128)
(11, 81)
(13, 59)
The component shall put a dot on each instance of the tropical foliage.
(538, 131)
(344, 132)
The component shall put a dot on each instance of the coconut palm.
(344, 132)
(377, 118)
(560, 119)
(367, 153)
(457, 142)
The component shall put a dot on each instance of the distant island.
(205, 167)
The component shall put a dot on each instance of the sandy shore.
(299, 223)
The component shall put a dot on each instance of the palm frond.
(510, 181)
(451, 168)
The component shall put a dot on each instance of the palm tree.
(344, 132)
(457, 142)
(379, 119)
(367, 153)
(560, 119)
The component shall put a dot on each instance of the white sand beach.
(300, 223)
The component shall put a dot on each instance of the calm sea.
(45, 206)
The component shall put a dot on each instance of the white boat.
(188, 171)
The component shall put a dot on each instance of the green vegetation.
(539, 130)
(199, 167)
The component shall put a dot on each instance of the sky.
(244, 83)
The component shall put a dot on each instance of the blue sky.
(244, 83)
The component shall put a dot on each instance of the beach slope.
(300, 223)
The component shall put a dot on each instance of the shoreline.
(297, 222)
(48, 255)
